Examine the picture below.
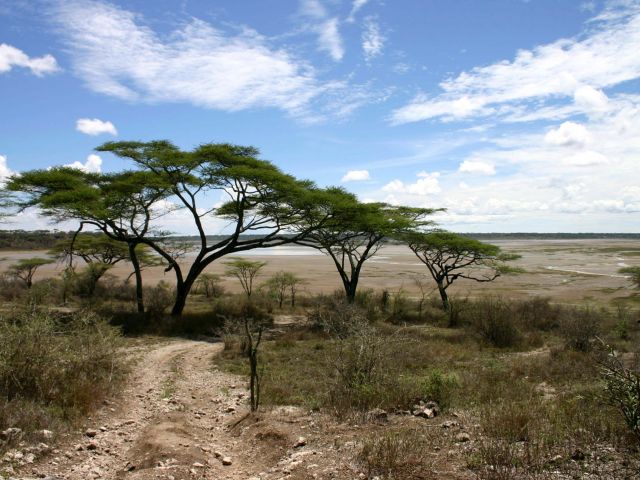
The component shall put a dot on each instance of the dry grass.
(55, 369)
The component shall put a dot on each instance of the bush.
(493, 319)
(56, 365)
(622, 387)
(337, 317)
(398, 455)
(158, 299)
(440, 387)
(359, 382)
(537, 313)
(579, 327)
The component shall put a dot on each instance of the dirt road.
(180, 418)
(175, 420)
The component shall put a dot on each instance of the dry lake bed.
(568, 271)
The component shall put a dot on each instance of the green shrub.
(622, 387)
(440, 387)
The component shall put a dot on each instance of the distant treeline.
(552, 236)
(31, 240)
(45, 239)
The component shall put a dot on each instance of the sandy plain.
(568, 271)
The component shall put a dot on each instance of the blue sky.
(514, 115)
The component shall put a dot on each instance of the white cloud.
(587, 158)
(427, 184)
(93, 164)
(589, 99)
(606, 55)
(13, 57)
(568, 134)
(372, 39)
(483, 168)
(329, 39)
(356, 176)
(355, 8)
(115, 54)
(5, 171)
(95, 126)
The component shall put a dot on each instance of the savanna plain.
(532, 375)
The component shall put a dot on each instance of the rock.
(198, 465)
(449, 424)
(377, 415)
(578, 455)
(556, 459)
(463, 437)
(91, 433)
(10, 434)
(425, 412)
(301, 442)
(226, 461)
(46, 434)
(434, 407)
(92, 445)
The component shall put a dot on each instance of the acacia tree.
(449, 256)
(356, 231)
(120, 205)
(26, 268)
(245, 271)
(283, 283)
(100, 253)
(260, 200)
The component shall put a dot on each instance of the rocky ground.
(179, 418)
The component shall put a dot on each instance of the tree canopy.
(257, 198)
(449, 256)
(355, 231)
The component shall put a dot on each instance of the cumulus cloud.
(372, 39)
(115, 54)
(479, 167)
(589, 99)
(356, 176)
(427, 184)
(14, 57)
(94, 126)
(568, 134)
(606, 55)
(5, 171)
(93, 164)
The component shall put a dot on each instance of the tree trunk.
(181, 300)
(350, 290)
(446, 306)
(133, 257)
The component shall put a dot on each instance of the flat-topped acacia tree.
(120, 205)
(449, 256)
(355, 231)
(260, 200)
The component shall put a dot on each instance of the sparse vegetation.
(55, 369)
